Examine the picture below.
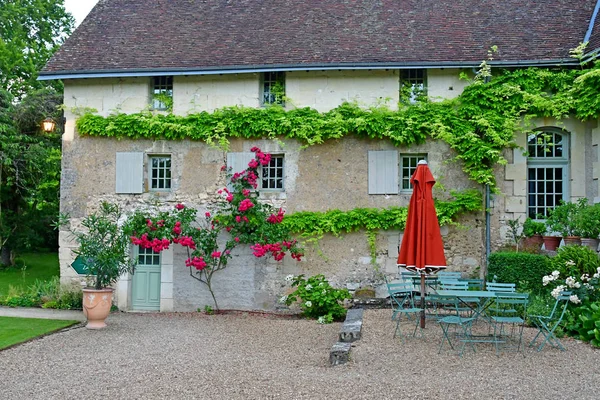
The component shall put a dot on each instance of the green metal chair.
(445, 275)
(402, 302)
(461, 324)
(506, 303)
(501, 288)
(547, 324)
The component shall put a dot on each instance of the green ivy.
(336, 222)
(479, 124)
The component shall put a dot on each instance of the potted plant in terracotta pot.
(588, 221)
(103, 250)
(533, 232)
(563, 219)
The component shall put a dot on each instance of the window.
(390, 173)
(148, 256)
(162, 92)
(408, 166)
(547, 171)
(413, 85)
(272, 174)
(160, 173)
(273, 88)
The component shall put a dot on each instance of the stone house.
(131, 56)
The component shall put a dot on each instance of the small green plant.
(588, 221)
(575, 261)
(564, 217)
(208, 310)
(103, 246)
(587, 323)
(318, 299)
(515, 231)
(532, 227)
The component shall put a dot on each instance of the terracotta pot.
(533, 242)
(551, 242)
(591, 243)
(570, 240)
(96, 306)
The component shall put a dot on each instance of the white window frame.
(411, 170)
(546, 160)
(268, 169)
(161, 85)
(168, 169)
(267, 81)
(417, 79)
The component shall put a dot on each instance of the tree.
(30, 32)
(29, 172)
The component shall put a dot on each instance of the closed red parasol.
(422, 249)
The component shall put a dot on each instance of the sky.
(79, 8)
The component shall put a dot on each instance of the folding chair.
(548, 324)
(445, 275)
(509, 301)
(401, 300)
(501, 288)
(465, 306)
(456, 320)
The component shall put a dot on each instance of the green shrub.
(524, 269)
(584, 323)
(539, 304)
(46, 294)
(318, 299)
(574, 260)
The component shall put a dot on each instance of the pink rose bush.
(239, 218)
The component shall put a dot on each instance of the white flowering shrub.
(584, 288)
(317, 298)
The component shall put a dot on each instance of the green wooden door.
(146, 281)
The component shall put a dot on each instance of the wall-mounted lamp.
(48, 125)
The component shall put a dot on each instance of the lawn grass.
(15, 330)
(42, 266)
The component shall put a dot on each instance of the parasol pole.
(422, 299)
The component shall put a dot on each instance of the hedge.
(524, 269)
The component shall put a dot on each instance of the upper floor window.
(413, 85)
(162, 93)
(547, 171)
(408, 166)
(160, 173)
(272, 174)
(273, 88)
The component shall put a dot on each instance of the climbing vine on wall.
(478, 125)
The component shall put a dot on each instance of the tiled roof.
(196, 35)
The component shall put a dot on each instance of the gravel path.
(186, 356)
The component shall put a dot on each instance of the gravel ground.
(242, 356)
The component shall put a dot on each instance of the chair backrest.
(506, 300)
(454, 285)
(448, 275)
(407, 275)
(562, 297)
(474, 284)
(400, 293)
(500, 287)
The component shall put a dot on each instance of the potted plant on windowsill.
(563, 219)
(103, 250)
(533, 231)
(588, 221)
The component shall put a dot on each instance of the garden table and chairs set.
(457, 305)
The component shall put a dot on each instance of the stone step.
(340, 353)
(352, 326)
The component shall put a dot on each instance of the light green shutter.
(383, 172)
(130, 173)
(238, 162)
